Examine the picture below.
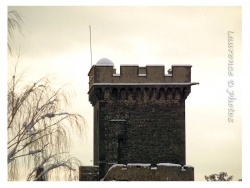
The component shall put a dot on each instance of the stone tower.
(139, 114)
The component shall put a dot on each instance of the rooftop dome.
(105, 61)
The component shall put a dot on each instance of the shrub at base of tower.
(222, 176)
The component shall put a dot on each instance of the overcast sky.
(55, 42)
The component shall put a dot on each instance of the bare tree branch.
(15, 21)
(36, 118)
(39, 125)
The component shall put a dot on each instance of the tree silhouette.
(39, 126)
(222, 176)
(15, 22)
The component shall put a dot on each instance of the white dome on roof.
(105, 61)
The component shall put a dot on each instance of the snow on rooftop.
(139, 164)
(188, 166)
(104, 62)
(168, 164)
(113, 166)
(116, 165)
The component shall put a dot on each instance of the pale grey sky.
(56, 42)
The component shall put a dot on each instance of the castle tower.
(139, 114)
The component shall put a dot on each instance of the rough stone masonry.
(139, 118)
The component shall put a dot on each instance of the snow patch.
(183, 169)
(138, 164)
(188, 166)
(116, 165)
(168, 164)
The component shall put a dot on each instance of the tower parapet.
(134, 82)
(106, 74)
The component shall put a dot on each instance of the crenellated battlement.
(139, 83)
(146, 172)
(106, 74)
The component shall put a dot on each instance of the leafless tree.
(39, 126)
(39, 129)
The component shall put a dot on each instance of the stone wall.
(145, 172)
(144, 132)
(89, 173)
(139, 125)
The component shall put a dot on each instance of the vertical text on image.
(231, 83)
